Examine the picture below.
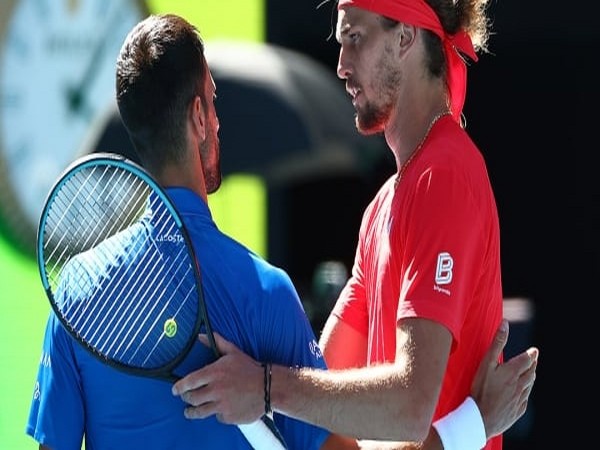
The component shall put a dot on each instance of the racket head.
(118, 266)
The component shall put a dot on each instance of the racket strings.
(81, 193)
(77, 220)
(177, 294)
(100, 219)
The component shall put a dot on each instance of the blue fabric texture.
(250, 302)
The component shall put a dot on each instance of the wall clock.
(57, 66)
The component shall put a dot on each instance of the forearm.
(377, 445)
(461, 429)
(370, 403)
(431, 443)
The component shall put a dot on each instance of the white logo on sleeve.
(443, 270)
(315, 349)
(45, 360)
(36, 391)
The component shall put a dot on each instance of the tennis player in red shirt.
(410, 328)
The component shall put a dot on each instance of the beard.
(213, 180)
(211, 164)
(371, 119)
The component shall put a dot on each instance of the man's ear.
(406, 35)
(198, 117)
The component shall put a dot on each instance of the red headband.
(420, 14)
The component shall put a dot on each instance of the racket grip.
(262, 435)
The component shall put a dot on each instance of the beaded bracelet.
(267, 386)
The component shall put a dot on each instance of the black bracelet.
(267, 386)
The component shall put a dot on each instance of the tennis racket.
(121, 274)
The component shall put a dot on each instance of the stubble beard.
(373, 117)
(212, 175)
(370, 120)
(211, 166)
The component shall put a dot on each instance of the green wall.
(23, 310)
(239, 209)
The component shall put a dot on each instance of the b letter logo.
(443, 270)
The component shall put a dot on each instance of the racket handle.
(263, 435)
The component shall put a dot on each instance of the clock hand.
(76, 95)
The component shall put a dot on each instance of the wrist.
(283, 384)
(267, 377)
(463, 428)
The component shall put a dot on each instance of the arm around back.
(389, 401)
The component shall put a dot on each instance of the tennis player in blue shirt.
(165, 93)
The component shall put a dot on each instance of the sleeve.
(351, 305)
(441, 249)
(56, 415)
(288, 339)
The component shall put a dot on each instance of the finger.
(524, 400)
(492, 356)
(223, 345)
(191, 381)
(527, 392)
(533, 353)
(521, 410)
(527, 378)
(524, 361)
(200, 398)
(200, 412)
(203, 338)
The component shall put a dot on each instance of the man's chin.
(213, 186)
(368, 131)
(368, 128)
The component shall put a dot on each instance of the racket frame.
(115, 160)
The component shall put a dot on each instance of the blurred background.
(298, 176)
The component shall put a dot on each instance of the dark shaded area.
(283, 115)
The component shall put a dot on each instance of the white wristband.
(463, 428)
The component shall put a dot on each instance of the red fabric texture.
(444, 206)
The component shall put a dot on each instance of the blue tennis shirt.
(250, 302)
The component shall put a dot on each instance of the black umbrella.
(283, 115)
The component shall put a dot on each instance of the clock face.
(57, 88)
